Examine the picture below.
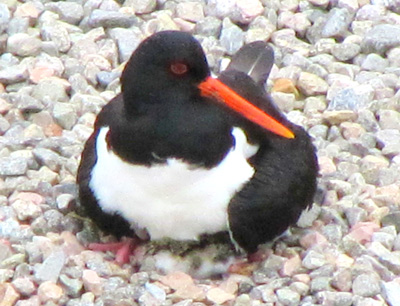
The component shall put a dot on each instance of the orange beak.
(214, 88)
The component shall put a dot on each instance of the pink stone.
(185, 25)
(92, 282)
(219, 296)
(190, 291)
(27, 9)
(71, 245)
(8, 295)
(304, 278)
(362, 232)
(291, 266)
(48, 291)
(177, 280)
(29, 197)
(249, 9)
(311, 239)
(230, 285)
(39, 73)
(326, 165)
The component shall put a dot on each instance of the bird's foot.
(122, 249)
(248, 265)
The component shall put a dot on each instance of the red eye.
(179, 68)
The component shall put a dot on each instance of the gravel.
(337, 73)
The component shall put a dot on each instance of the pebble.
(288, 297)
(24, 286)
(51, 267)
(22, 44)
(4, 17)
(345, 51)
(231, 37)
(8, 295)
(391, 292)
(12, 166)
(141, 6)
(69, 12)
(310, 84)
(366, 285)
(381, 38)
(219, 296)
(110, 19)
(313, 260)
(337, 23)
(92, 282)
(49, 292)
(190, 11)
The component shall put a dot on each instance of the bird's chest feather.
(173, 199)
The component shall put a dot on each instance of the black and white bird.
(179, 154)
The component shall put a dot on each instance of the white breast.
(171, 200)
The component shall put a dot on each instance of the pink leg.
(121, 249)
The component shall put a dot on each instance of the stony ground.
(337, 74)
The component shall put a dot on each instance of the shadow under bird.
(179, 154)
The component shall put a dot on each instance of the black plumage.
(160, 114)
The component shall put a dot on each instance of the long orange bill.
(214, 88)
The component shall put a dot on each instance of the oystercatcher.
(179, 154)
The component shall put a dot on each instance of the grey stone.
(13, 74)
(4, 17)
(24, 286)
(337, 23)
(208, 26)
(106, 77)
(392, 219)
(50, 90)
(390, 140)
(375, 62)
(391, 292)
(10, 166)
(190, 11)
(231, 37)
(349, 99)
(288, 297)
(71, 12)
(389, 119)
(381, 38)
(335, 298)
(141, 6)
(65, 202)
(110, 19)
(48, 158)
(65, 115)
(51, 267)
(366, 285)
(22, 44)
(321, 283)
(18, 25)
(287, 40)
(345, 51)
(57, 33)
(127, 40)
(26, 103)
(313, 260)
(370, 12)
(73, 286)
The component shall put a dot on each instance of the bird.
(179, 153)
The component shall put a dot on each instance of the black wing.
(109, 223)
(285, 180)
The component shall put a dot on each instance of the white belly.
(171, 200)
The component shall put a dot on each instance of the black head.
(164, 65)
